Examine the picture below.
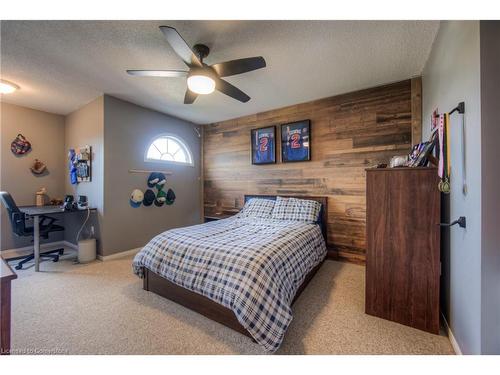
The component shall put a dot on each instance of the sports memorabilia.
(149, 197)
(20, 145)
(136, 198)
(398, 161)
(444, 156)
(296, 141)
(157, 180)
(161, 198)
(264, 145)
(38, 167)
(170, 197)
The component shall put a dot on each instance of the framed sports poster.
(296, 141)
(264, 145)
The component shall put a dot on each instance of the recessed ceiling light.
(7, 87)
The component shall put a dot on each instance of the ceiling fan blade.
(190, 97)
(180, 46)
(230, 90)
(233, 67)
(158, 73)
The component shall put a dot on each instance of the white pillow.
(296, 209)
(258, 208)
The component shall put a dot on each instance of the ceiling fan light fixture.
(7, 87)
(203, 79)
(201, 84)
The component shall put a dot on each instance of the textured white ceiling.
(62, 65)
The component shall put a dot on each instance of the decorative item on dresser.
(403, 246)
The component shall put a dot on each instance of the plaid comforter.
(251, 266)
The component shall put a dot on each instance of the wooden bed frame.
(205, 306)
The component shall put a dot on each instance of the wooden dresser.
(403, 246)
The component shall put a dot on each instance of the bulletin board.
(84, 164)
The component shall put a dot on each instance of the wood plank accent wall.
(349, 133)
(416, 110)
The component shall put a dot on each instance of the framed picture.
(296, 141)
(264, 145)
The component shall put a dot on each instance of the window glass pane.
(173, 146)
(168, 148)
(181, 157)
(167, 157)
(153, 153)
(161, 143)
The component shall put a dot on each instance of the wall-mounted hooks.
(460, 108)
(461, 221)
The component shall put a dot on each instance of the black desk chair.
(18, 222)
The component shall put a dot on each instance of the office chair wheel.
(56, 259)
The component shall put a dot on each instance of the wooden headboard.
(323, 214)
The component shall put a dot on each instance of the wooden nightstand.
(217, 216)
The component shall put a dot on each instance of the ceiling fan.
(203, 79)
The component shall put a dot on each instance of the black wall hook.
(461, 221)
(460, 108)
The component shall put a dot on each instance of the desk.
(6, 276)
(35, 212)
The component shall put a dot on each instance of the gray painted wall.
(128, 130)
(451, 75)
(490, 188)
(45, 131)
(84, 127)
(119, 133)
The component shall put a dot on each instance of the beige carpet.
(100, 308)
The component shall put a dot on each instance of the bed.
(242, 272)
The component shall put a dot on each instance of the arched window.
(169, 149)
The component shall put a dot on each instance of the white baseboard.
(121, 254)
(23, 251)
(453, 341)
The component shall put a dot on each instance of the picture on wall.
(264, 145)
(296, 141)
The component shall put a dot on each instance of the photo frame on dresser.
(296, 141)
(263, 142)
